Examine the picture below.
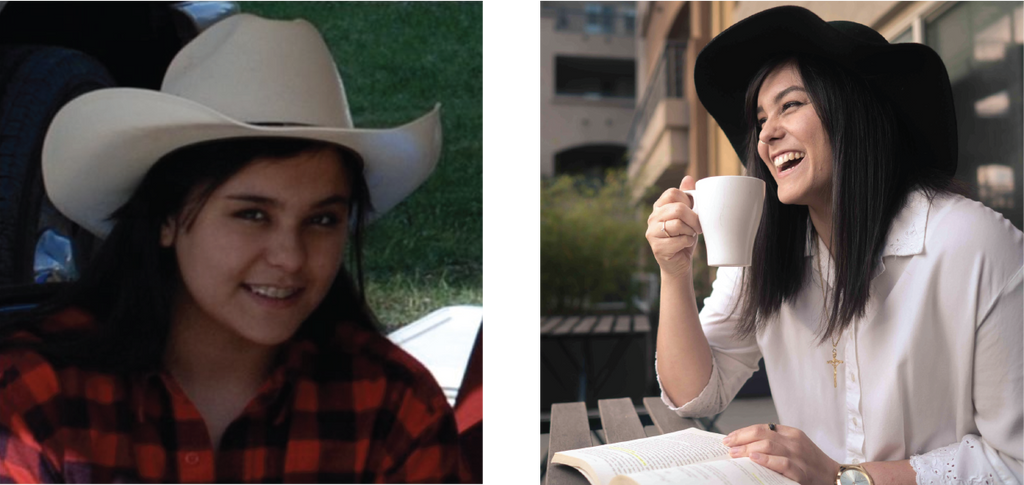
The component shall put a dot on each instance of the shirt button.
(192, 458)
(852, 378)
(855, 421)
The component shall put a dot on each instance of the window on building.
(595, 77)
(629, 21)
(600, 19)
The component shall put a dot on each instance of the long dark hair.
(129, 287)
(874, 169)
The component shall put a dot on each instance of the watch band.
(858, 470)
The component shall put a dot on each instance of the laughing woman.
(868, 273)
(219, 336)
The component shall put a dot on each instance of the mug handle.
(693, 195)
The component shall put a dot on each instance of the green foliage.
(591, 236)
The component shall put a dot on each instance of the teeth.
(273, 291)
(785, 157)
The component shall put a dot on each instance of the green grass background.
(396, 60)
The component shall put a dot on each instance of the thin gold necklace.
(834, 362)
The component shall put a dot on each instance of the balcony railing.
(666, 82)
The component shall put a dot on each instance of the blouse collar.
(906, 235)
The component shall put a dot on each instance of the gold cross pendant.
(835, 362)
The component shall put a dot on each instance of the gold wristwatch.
(853, 475)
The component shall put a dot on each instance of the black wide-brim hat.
(910, 76)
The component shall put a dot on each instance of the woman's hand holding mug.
(672, 229)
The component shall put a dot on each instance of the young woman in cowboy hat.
(868, 274)
(220, 335)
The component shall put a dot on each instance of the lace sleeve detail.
(969, 462)
(936, 466)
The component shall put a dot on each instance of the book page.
(665, 451)
(740, 471)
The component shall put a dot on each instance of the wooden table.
(570, 430)
(584, 332)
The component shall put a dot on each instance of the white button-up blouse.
(933, 371)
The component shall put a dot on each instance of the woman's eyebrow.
(263, 200)
(783, 93)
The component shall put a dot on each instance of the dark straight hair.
(874, 169)
(130, 285)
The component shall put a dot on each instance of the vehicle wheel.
(35, 81)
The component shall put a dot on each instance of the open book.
(685, 457)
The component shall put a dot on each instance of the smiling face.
(264, 249)
(792, 141)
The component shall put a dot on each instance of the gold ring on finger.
(663, 229)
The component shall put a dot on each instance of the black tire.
(35, 81)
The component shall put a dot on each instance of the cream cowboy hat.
(244, 77)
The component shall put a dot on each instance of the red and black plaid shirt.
(364, 411)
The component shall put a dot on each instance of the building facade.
(588, 84)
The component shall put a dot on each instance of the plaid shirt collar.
(294, 360)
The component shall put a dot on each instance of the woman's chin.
(788, 199)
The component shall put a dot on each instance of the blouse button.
(192, 458)
(852, 378)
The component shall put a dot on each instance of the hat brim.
(912, 77)
(101, 145)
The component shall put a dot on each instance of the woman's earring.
(167, 231)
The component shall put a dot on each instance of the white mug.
(729, 208)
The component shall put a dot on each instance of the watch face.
(853, 477)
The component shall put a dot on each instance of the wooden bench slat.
(641, 323)
(623, 324)
(570, 430)
(585, 325)
(606, 324)
(566, 325)
(619, 420)
(577, 324)
(547, 324)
